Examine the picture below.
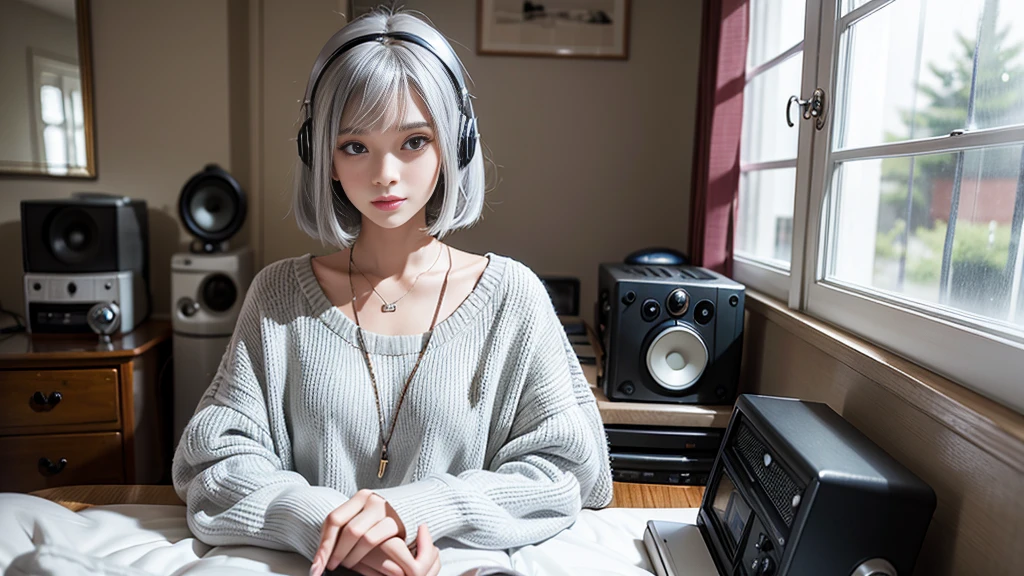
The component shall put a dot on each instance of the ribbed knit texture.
(499, 442)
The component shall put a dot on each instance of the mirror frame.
(82, 22)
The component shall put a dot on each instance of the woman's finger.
(333, 524)
(435, 568)
(367, 570)
(380, 561)
(399, 553)
(353, 530)
(426, 552)
(375, 536)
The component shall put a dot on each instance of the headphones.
(345, 39)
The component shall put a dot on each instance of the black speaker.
(86, 233)
(212, 206)
(669, 333)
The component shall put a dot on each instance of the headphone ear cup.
(467, 141)
(305, 142)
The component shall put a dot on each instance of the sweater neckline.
(400, 344)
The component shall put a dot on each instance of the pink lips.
(389, 203)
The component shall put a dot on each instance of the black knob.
(703, 312)
(677, 302)
(767, 566)
(734, 300)
(37, 286)
(650, 310)
(42, 403)
(72, 288)
(49, 468)
(629, 298)
(763, 544)
(627, 388)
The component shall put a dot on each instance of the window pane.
(55, 148)
(51, 102)
(775, 26)
(76, 106)
(906, 70)
(765, 223)
(1000, 82)
(80, 147)
(889, 222)
(766, 136)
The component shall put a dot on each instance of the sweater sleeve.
(553, 463)
(226, 468)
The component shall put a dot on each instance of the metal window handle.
(44, 403)
(814, 107)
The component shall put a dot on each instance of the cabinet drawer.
(37, 462)
(37, 400)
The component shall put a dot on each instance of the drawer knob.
(42, 403)
(49, 468)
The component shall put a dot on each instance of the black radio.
(796, 490)
(670, 333)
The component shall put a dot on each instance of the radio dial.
(677, 302)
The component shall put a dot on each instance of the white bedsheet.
(41, 537)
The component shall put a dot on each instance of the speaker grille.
(779, 487)
(664, 272)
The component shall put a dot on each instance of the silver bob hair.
(374, 76)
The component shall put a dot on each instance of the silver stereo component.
(60, 303)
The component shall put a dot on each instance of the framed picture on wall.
(554, 28)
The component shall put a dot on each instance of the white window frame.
(984, 358)
(776, 281)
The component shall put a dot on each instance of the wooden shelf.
(630, 495)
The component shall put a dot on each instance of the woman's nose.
(386, 173)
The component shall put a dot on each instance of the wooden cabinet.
(74, 411)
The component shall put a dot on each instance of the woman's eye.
(418, 142)
(352, 148)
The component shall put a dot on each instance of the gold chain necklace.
(393, 306)
(385, 440)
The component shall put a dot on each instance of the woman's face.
(374, 167)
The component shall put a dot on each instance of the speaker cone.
(212, 205)
(72, 236)
(677, 358)
(219, 293)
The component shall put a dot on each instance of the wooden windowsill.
(992, 427)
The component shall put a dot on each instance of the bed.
(141, 530)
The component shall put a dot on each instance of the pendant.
(388, 307)
(383, 463)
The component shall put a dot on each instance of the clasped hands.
(366, 535)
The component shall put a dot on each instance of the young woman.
(396, 391)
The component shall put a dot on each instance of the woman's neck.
(394, 252)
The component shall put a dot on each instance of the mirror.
(46, 117)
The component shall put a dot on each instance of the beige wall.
(594, 156)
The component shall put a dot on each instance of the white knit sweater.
(498, 444)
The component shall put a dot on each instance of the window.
(768, 145)
(908, 199)
(60, 129)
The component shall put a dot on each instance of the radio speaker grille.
(776, 483)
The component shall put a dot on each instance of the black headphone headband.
(341, 42)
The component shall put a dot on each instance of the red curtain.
(716, 162)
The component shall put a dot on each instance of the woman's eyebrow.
(403, 128)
